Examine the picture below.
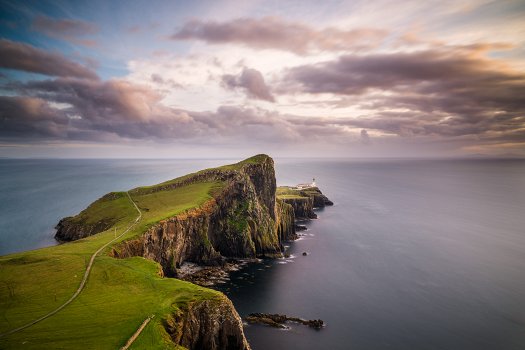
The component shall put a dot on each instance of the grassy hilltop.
(119, 294)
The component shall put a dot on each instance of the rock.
(300, 227)
(278, 320)
(206, 276)
(286, 255)
(305, 253)
(265, 320)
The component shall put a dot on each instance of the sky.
(215, 79)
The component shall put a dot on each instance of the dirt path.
(137, 333)
(84, 280)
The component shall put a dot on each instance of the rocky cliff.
(285, 220)
(241, 221)
(303, 207)
(303, 201)
(211, 324)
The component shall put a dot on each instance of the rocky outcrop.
(304, 201)
(242, 221)
(303, 207)
(70, 230)
(210, 324)
(320, 200)
(278, 320)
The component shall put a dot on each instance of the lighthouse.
(313, 183)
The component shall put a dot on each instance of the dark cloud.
(276, 33)
(30, 117)
(97, 108)
(449, 93)
(24, 57)
(65, 29)
(251, 81)
(355, 74)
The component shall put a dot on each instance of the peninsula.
(108, 285)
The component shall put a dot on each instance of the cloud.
(109, 110)
(355, 74)
(251, 81)
(27, 116)
(24, 57)
(447, 92)
(97, 109)
(157, 79)
(65, 29)
(276, 33)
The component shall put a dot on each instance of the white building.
(304, 186)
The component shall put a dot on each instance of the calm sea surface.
(414, 255)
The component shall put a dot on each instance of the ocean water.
(415, 254)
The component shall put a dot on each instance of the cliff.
(242, 220)
(303, 207)
(303, 201)
(210, 324)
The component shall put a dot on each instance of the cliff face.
(304, 201)
(210, 324)
(242, 221)
(285, 220)
(303, 207)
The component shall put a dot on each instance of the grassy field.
(120, 293)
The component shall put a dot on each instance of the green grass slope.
(119, 294)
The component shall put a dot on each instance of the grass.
(156, 206)
(120, 293)
(285, 192)
(113, 207)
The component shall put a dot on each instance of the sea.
(415, 254)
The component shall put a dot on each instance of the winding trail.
(84, 280)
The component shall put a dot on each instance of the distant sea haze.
(414, 254)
